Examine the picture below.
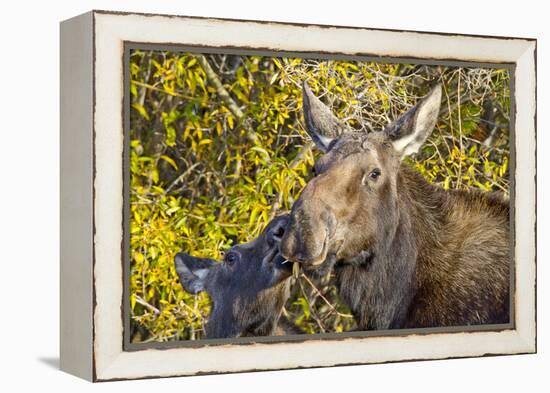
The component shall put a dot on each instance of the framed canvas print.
(245, 195)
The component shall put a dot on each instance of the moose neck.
(264, 310)
(379, 284)
(254, 314)
(221, 323)
(424, 204)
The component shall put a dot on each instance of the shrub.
(218, 147)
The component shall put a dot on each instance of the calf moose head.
(351, 202)
(248, 289)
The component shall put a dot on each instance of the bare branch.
(324, 298)
(226, 98)
(155, 310)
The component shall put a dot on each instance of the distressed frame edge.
(76, 196)
(304, 24)
(307, 367)
(526, 288)
(528, 340)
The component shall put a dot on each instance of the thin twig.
(324, 298)
(139, 300)
(180, 178)
(151, 87)
(311, 309)
(196, 313)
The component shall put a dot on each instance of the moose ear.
(321, 125)
(193, 272)
(411, 130)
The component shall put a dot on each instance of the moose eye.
(375, 174)
(371, 176)
(231, 258)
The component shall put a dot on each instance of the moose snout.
(294, 250)
(304, 244)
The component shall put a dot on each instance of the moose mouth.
(315, 262)
(275, 259)
(318, 261)
(294, 249)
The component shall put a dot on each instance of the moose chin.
(248, 289)
(406, 254)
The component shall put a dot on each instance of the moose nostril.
(275, 235)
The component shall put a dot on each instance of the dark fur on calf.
(248, 289)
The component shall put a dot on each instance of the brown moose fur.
(406, 254)
(462, 268)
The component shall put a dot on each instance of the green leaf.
(261, 150)
(170, 136)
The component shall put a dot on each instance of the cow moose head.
(351, 203)
(248, 289)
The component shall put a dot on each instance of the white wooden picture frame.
(92, 195)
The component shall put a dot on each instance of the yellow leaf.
(199, 79)
(138, 257)
(169, 161)
(141, 110)
(132, 301)
(253, 215)
(186, 133)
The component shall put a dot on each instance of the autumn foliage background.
(217, 147)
